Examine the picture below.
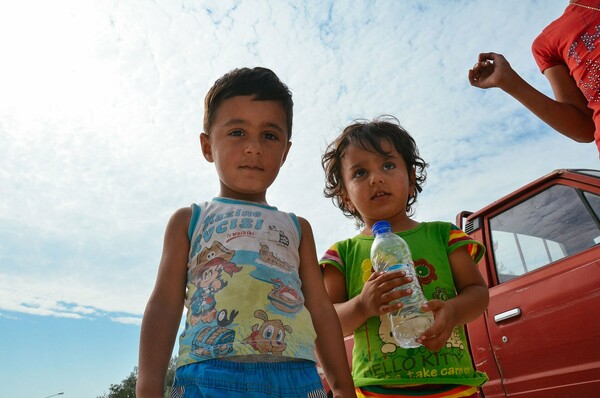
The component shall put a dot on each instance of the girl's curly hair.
(368, 135)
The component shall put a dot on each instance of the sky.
(101, 105)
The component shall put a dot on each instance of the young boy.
(247, 272)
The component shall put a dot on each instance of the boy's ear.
(206, 147)
(289, 145)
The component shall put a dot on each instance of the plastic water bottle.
(390, 253)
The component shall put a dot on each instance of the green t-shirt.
(376, 359)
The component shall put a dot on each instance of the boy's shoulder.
(181, 215)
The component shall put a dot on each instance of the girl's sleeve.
(459, 238)
(332, 257)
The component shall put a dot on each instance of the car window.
(556, 223)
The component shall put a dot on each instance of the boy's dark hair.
(368, 135)
(262, 83)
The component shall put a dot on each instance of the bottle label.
(396, 267)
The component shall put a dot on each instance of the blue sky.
(100, 111)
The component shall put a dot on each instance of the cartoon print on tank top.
(209, 276)
(211, 262)
(283, 297)
(214, 341)
(269, 336)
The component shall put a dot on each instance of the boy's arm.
(470, 302)
(163, 311)
(330, 344)
(568, 114)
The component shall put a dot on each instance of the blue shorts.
(217, 378)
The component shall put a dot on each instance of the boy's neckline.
(224, 199)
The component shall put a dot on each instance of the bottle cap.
(380, 227)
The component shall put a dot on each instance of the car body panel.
(539, 336)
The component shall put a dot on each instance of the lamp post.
(54, 395)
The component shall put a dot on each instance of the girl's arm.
(568, 114)
(373, 300)
(470, 302)
(330, 343)
(163, 311)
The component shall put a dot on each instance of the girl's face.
(377, 186)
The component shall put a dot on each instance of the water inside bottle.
(406, 328)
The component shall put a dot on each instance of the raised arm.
(568, 114)
(163, 311)
(330, 343)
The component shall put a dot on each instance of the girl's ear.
(206, 147)
(412, 185)
(347, 202)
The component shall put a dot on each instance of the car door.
(542, 316)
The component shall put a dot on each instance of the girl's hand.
(378, 292)
(491, 70)
(435, 338)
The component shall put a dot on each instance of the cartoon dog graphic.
(268, 337)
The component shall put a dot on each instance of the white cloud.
(128, 320)
(101, 108)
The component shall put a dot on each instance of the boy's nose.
(254, 147)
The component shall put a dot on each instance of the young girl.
(374, 172)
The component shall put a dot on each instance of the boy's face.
(248, 144)
(376, 186)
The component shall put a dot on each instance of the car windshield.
(557, 222)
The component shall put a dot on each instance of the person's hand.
(491, 70)
(378, 292)
(436, 336)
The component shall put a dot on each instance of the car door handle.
(507, 315)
